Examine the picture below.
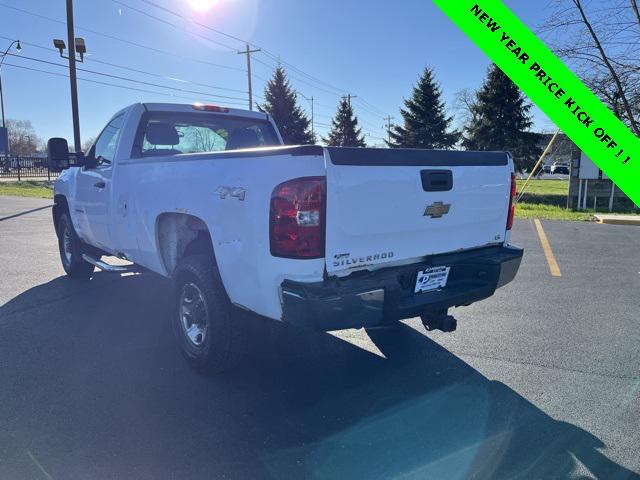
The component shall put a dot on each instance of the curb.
(618, 219)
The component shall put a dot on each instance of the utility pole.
(313, 129)
(248, 53)
(349, 97)
(388, 118)
(4, 125)
(72, 78)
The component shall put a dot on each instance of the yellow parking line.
(544, 241)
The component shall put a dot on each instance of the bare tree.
(601, 41)
(88, 143)
(636, 12)
(23, 140)
(464, 103)
(206, 140)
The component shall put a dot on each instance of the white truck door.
(94, 188)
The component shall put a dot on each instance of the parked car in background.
(560, 168)
(546, 168)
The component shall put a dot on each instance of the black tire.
(71, 249)
(203, 317)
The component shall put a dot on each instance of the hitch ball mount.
(439, 320)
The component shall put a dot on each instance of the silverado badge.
(437, 209)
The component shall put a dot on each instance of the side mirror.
(89, 160)
(58, 153)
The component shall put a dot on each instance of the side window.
(105, 146)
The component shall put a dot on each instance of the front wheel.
(202, 320)
(70, 247)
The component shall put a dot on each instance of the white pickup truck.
(328, 238)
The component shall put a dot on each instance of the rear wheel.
(202, 319)
(71, 250)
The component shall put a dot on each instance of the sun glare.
(202, 5)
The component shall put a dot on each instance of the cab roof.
(189, 108)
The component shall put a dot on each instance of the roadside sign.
(589, 170)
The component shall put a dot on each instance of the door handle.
(437, 180)
(100, 184)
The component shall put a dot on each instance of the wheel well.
(60, 206)
(180, 235)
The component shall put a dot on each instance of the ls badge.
(437, 210)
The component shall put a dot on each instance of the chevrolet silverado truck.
(320, 237)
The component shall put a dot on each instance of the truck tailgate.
(392, 205)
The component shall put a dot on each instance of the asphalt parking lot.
(540, 381)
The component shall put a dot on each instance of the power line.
(297, 78)
(273, 56)
(373, 107)
(261, 78)
(125, 87)
(330, 89)
(324, 105)
(167, 77)
(360, 120)
(136, 70)
(118, 77)
(203, 25)
(370, 111)
(166, 22)
(125, 41)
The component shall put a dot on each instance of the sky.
(155, 51)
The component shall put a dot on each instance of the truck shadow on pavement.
(92, 386)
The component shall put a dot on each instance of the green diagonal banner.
(551, 86)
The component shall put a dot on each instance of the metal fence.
(26, 168)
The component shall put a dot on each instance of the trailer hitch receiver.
(439, 320)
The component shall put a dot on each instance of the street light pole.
(4, 55)
(73, 79)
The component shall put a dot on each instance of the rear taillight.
(297, 218)
(512, 202)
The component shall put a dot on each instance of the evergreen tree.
(281, 102)
(426, 124)
(500, 120)
(344, 128)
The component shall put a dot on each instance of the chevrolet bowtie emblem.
(437, 209)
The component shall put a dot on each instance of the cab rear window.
(166, 134)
